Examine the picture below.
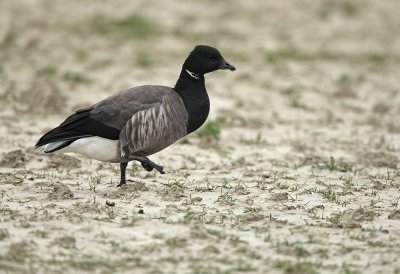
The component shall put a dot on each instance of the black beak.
(226, 65)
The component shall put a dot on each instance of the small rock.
(14, 159)
(110, 203)
(395, 215)
(141, 211)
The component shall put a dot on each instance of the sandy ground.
(296, 171)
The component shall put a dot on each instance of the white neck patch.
(193, 75)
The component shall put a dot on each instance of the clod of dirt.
(138, 186)
(381, 108)
(241, 190)
(134, 187)
(192, 200)
(128, 190)
(345, 92)
(173, 193)
(251, 217)
(379, 159)
(87, 208)
(393, 127)
(196, 199)
(310, 160)
(11, 178)
(33, 151)
(395, 215)
(14, 159)
(350, 218)
(211, 249)
(67, 242)
(140, 211)
(280, 196)
(20, 250)
(378, 185)
(60, 192)
(44, 96)
(64, 161)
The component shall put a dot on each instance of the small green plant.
(349, 8)
(76, 78)
(286, 54)
(252, 209)
(145, 59)
(296, 267)
(335, 217)
(67, 242)
(47, 71)
(40, 234)
(9, 40)
(3, 234)
(211, 129)
(175, 242)
(294, 97)
(336, 165)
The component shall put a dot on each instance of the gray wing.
(117, 109)
(155, 127)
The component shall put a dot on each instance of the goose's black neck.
(191, 87)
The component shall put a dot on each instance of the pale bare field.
(296, 170)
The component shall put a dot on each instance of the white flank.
(97, 148)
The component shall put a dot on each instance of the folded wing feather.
(155, 128)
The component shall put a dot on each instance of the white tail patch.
(97, 148)
(53, 146)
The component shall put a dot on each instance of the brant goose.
(140, 121)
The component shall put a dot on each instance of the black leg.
(148, 164)
(147, 167)
(123, 171)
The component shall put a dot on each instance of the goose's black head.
(204, 59)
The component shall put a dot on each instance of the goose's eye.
(211, 57)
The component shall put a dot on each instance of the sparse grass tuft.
(176, 242)
(67, 242)
(132, 26)
(289, 267)
(76, 78)
(294, 54)
(4, 234)
(295, 98)
(40, 234)
(211, 130)
(47, 71)
(335, 217)
(336, 165)
(9, 40)
(19, 252)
